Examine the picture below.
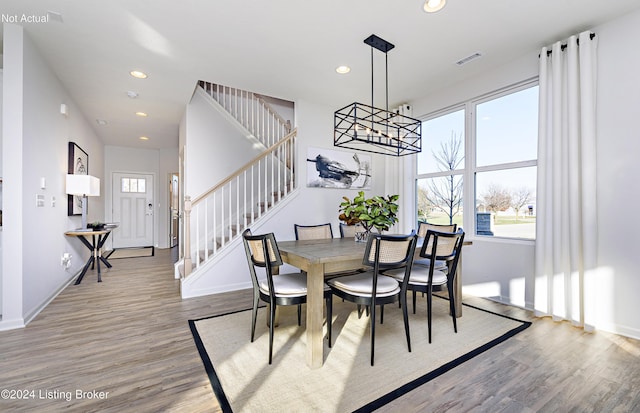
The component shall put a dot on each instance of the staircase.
(215, 219)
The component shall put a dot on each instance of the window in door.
(133, 185)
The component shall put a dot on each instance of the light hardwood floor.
(129, 336)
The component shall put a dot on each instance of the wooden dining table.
(324, 256)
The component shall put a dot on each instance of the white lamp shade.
(83, 185)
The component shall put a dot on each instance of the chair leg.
(373, 331)
(429, 299)
(414, 301)
(329, 318)
(405, 314)
(452, 305)
(272, 317)
(254, 315)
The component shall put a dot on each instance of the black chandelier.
(369, 129)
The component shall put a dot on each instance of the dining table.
(319, 257)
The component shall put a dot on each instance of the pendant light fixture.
(369, 129)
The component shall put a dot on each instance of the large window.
(440, 167)
(492, 142)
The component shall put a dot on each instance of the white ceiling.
(283, 48)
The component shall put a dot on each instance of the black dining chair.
(276, 289)
(423, 227)
(371, 288)
(444, 246)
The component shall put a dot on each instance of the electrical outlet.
(65, 261)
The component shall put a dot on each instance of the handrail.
(244, 167)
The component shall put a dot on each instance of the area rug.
(243, 381)
(134, 252)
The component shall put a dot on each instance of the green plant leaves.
(379, 211)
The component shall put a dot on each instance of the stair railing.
(251, 110)
(217, 217)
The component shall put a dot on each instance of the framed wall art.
(78, 165)
(327, 168)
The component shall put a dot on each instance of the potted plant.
(96, 226)
(378, 212)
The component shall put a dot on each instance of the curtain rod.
(564, 46)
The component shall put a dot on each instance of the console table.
(98, 238)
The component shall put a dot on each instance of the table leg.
(101, 242)
(84, 270)
(315, 303)
(96, 259)
(457, 290)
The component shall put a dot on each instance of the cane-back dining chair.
(349, 231)
(304, 232)
(371, 288)
(445, 246)
(423, 227)
(276, 289)
(322, 231)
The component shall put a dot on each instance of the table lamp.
(84, 186)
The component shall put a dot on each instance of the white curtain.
(566, 234)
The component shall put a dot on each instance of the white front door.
(132, 202)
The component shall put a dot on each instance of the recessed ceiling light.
(144, 138)
(141, 114)
(432, 6)
(101, 122)
(343, 69)
(132, 94)
(138, 74)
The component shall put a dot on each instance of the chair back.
(389, 251)
(446, 246)
(423, 227)
(349, 231)
(304, 232)
(255, 247)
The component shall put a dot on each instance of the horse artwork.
(337, 169)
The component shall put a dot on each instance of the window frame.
(470, 169)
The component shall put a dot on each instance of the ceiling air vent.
(468, 58)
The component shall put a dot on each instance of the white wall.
(12, 103)
(35, 141)
(0, 186)
(618, 198)
(215, 147)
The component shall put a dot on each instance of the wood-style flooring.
(128, 337)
